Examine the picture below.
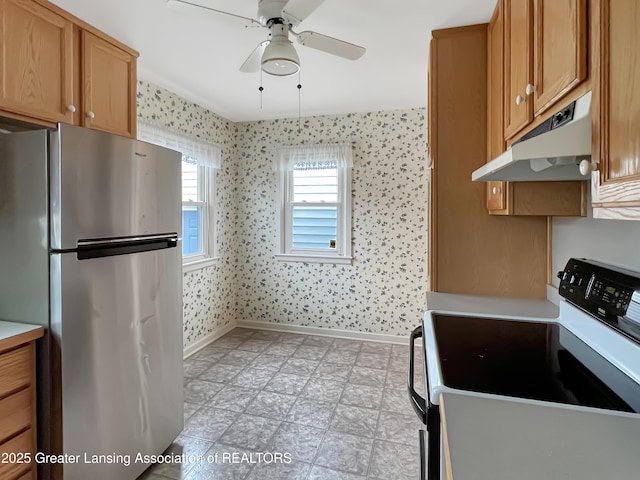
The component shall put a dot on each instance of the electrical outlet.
(332, 244)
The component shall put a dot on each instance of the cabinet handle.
(587, 166)
(519, 99)
(91, 115)
(496, 190)
(530, 89)
(71, 108)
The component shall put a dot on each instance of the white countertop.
(11, 329)
(485, 305)
(489, 438)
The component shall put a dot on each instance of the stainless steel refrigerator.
(90, 248)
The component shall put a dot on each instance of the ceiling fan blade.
(296, 11)
(254, 61)
(191, 8)
(330, 45)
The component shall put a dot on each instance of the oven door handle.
(418, 403)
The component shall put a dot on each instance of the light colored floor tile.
(209, 423)
(294, 338)
(200, 391)
(299, 366)
(376, 347)
(372, 360)
(361, 396)
(333, 371)
(347, 344)
(271, 405)
(183, 445)
(323, 389)
(268, 361)
(233, 398)
(345, 357)
(254, 345)
(367, 376)
(253, 378)
(310, 352)
(210, 353)
(193, 367)
(396, 401)
(266, 335)
(300, 441)
(313, 413)
(280, 471)
(348, 453)
(355, 420)
(322, 473)
(318, 341)
(220, 373)
(250, 432)
(223, 469)
(392, 461)
(398, 428)
(189, 410)
(238, 357)
(287, 384)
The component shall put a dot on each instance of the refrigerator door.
(105, 186)
(118, 322)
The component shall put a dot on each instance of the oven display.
(606, 293)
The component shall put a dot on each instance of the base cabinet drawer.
(13, 452)
(16, 413)
(15, 370)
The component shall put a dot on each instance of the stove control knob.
(561, 275)
(573, 279)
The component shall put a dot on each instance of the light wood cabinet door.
(36, 62)
(518, 56)
(496, 191)
(560, 50)
(109, 86)
(616, 131)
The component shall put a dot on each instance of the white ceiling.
(199, 56)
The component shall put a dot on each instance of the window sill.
(199, 264)
(294, 257)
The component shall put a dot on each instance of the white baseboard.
(206, 340)
(325, 332)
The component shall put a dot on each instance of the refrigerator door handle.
(98, 248)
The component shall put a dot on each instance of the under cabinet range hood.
(551, 151)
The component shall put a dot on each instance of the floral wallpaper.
(383, 291)
(208, 293)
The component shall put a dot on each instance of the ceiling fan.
(276, 55)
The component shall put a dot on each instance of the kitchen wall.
(610, 241)
(384, 290)
(209, 301)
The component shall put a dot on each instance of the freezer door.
(105, 186)
(118, 322)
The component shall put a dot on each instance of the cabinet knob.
(496, 190)
(519, 99)
(91, 115)
(587, 166)
(530, 89)
(71, 108)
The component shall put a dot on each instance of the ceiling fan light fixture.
(280, 58)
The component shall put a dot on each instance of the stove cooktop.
(527, 359)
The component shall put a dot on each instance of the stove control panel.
(609, 293)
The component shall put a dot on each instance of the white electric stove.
(587, 357)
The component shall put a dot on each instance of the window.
(315, 206)
(199, 163)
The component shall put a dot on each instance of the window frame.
(343, 251)
(206, 185)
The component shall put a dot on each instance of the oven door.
(429, 415)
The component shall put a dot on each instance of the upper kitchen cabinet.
(545, 56)
(56, 68)
(109, 87)
(36, 63)
(616, 126)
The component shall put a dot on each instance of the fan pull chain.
(261, 89)
(299, 99)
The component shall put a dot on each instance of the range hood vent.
(552, 151)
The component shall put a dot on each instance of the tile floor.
(338, 407)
